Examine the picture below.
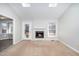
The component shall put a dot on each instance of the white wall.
(40, 23)
(69, 27)
(6, 11)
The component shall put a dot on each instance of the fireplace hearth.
(39, 34)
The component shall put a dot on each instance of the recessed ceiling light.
(2, 17)
(53, 5)
(26, 5)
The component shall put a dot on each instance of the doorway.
(6, 32)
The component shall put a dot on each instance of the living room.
(41, 23)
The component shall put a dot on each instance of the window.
(52, 29)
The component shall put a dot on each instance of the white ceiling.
(39, 10)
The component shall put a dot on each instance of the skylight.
(29, 5)
(26, 5)
(52, 5)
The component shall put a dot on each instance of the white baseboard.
(69, 46)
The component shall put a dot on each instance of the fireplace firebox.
(39, 34)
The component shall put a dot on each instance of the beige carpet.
(38, 48)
